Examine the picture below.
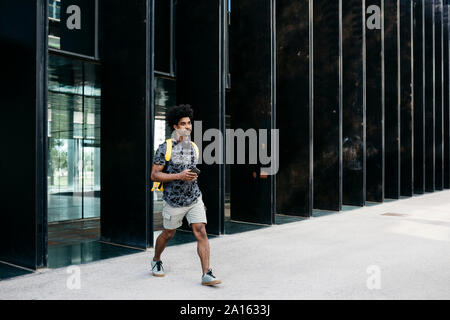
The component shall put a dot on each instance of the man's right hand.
(187, 175)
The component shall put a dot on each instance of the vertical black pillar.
(353, 103)
(23, 218)
(439, 97)
(375, 101)
(392, 98)
(127, 97)
(252, 66)
(294, 107)
(406, 99)
(200, 82)
(327, 105)
(446, 92)
(419, 96)
(429, 97)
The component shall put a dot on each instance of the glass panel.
(74, 140)
(54, 9)
(163, 36)
(91, 143)
(165, 97)
(64, 174)
(54, 32)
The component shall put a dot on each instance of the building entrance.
(73, 150)
(73, 139)
(165, 97)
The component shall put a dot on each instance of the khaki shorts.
(173, 216)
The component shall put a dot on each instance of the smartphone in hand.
(195, 170)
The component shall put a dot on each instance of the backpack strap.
(195, 148)
(168, 154)
(158, 185)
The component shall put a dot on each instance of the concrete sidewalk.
(356, 254)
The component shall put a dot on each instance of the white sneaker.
(209, 279)
(157, 268)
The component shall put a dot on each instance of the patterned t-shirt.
(178, 193)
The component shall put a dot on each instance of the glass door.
(165, 97)
(73, 139)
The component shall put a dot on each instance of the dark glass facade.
(354, 93)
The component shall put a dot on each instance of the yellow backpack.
(159, 185)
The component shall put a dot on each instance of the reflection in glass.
(73, 139)
(54, 9)
(165, 97)
(54, 23)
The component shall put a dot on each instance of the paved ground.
(357, 254)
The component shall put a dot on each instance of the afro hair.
(176, 113)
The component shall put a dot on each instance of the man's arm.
(159, 176)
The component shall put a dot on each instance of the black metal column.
(406, 99)
(201, 83)
(126, 134)
(23, 97)
(294, 107)
(392, 97)
(252, 66)
(353, 103)
(327, 105)
(446, 92)
(429, 97)
(419, 96)
(439, 96)
(375, 101)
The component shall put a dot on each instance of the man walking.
(174, 167)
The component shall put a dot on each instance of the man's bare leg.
(161, 242)
(202, 245)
